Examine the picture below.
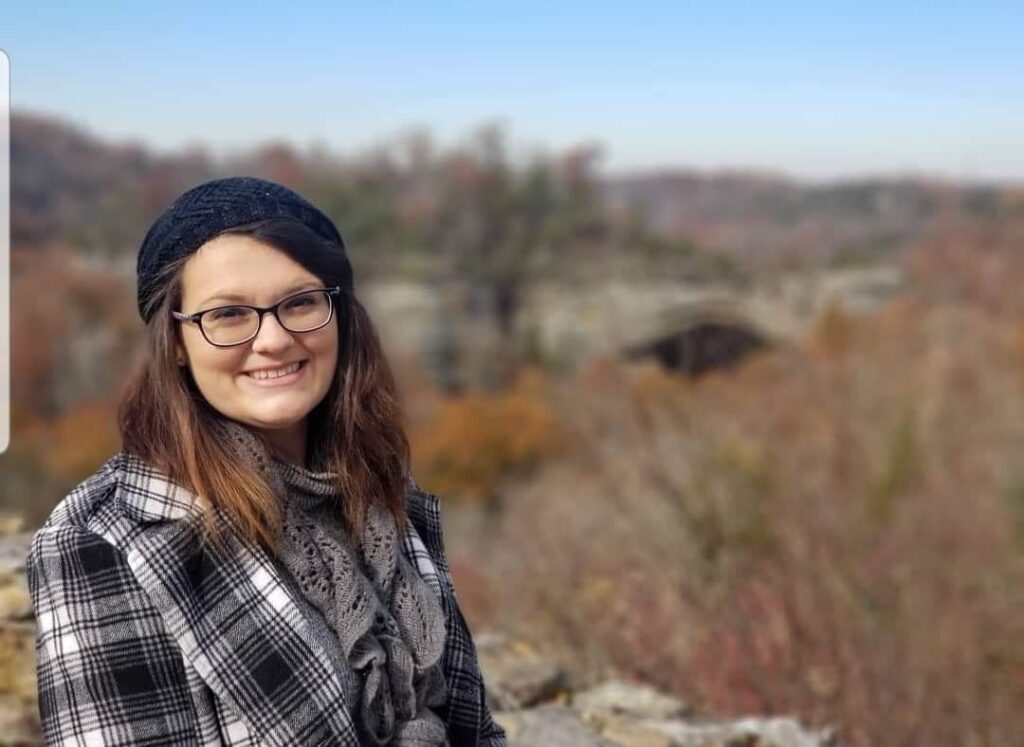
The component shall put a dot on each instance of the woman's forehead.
(240, 268)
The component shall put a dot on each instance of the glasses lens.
(230, 324)
(305, 311)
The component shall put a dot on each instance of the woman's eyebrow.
(239, 298)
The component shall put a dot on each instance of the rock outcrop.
(19, 722)
(531, 699)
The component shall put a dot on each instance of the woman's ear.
(179, 354)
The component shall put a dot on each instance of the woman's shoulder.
(89, 497)
(78, 522)
(423, 509)
(124, 492)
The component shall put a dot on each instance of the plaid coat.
(147, 637)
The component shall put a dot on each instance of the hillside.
(843, 222)
(69, 185)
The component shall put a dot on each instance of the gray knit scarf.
(388, 620)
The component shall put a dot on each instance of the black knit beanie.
(211, 208)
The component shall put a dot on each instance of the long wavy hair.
(355, 432)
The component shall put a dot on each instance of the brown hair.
(354, 432)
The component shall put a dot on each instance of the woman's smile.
(276, 377)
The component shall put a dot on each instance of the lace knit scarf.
(388, 620)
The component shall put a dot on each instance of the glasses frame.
(261, 311)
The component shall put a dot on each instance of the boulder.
(623, 698)
(747, 732)
(516, 674)
(548, 726)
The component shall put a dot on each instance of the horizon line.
(225, 152)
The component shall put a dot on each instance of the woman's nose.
(272, 336)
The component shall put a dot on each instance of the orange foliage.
(477, 440)
(82, 438)
(56, 301)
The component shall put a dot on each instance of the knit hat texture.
(216, 206)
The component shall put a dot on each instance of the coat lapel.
(233, 617)
(465, 709)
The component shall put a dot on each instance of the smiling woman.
(257, 565)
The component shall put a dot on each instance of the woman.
(256, 566)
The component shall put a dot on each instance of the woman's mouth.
(280, 376)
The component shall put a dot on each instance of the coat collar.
(232, 615)
(146, 495)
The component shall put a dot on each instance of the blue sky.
(817, 90)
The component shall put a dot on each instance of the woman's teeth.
(276, 373)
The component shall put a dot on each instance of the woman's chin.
(275, 419)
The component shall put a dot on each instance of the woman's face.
(232, 269)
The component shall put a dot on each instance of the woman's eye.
(299, 301)
(227, 314)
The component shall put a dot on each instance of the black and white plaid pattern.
(417, 552)
(466, 713)
(147, 637)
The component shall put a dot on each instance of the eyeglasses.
(225, 326)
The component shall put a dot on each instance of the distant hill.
(74, 187)
(845, 221)
(70, 186)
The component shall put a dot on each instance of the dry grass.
(836, 530)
